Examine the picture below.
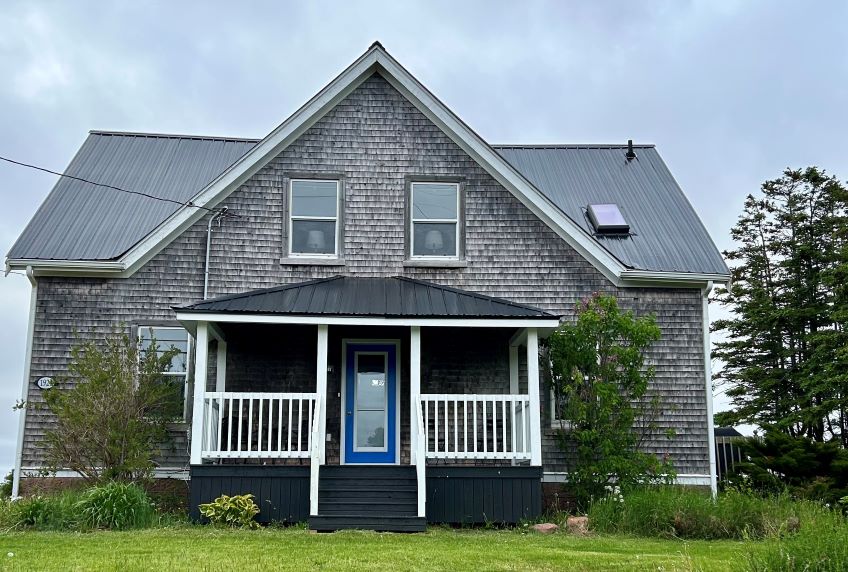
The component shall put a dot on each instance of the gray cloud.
(731, 92)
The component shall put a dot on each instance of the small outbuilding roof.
(395, 297)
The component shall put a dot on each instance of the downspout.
(217, 216)
(16, 478)
(708, 377)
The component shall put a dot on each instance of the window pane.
(167, 338)
(434, 201)
(370, 429)
(434, 239)
(314, 198)
(371, 382)
(313, 237)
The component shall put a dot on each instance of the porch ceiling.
(388, 298)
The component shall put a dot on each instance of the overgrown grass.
(668, 512)
(821, 546)
(113, 505)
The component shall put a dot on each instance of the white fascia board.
(689, 479)
(194, 317)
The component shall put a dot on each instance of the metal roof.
(396, 297)
(665, 232)
(80, 221)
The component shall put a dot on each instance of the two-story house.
(360, 296)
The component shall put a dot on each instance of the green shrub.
(54, 512)
(116, 506)
(689, 513)
(6, 486)
(235, 511)
(819, 548)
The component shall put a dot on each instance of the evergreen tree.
(785, 350)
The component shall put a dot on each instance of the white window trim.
(385, 447)
(413, 220)
(292, 217)
(174, 373)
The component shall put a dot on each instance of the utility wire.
(139, 193)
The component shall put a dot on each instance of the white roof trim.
(374, 59)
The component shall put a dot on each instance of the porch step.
(368, 497)
(329, 523)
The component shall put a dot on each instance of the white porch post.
(319, 440)
(200, 367)
(513, 389)
(414, 389)
(417, 444)
(221, 367)
(533, 391)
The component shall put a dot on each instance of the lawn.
(203, 548)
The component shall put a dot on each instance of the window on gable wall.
(177, 372)
(314, 218)
(434, 220)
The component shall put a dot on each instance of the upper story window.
(176, 375)
(434, 218)
(314, 218)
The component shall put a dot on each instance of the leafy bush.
(819, 548)
(690, 513)
(115, 505)
(600, 381)
(235, 511)
(112, 410)
(804, 468)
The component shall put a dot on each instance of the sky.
(731, 92)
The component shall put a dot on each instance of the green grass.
(199, 548)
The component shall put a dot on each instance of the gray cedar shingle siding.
(376, 138)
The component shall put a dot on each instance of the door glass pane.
(371, 428)
(371, 383)
(314, 198)
(313, 237)
(434, 239)
(434, 201)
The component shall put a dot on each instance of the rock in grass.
(545, 528)
(577, 525)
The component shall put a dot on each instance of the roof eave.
(637, 278)
(68, 267)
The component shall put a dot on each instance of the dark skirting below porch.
(280, 492)
(478, 495)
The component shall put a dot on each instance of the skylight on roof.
(607, 218)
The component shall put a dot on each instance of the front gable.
(375, 63)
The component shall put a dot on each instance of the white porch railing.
(239, 425)
(459, 426)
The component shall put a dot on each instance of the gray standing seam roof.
(396, 297)
(666, 233)
(79, 221)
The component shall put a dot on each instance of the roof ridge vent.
(631, 154)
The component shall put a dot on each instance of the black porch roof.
(395, 297)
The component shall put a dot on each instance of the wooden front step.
(374, 497)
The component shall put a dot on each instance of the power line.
(139, 193)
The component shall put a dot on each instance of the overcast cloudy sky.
(731, 92)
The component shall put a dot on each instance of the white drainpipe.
(708, 375)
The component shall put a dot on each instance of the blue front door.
(370, 403)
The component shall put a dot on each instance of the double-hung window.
(434, 220)
(176, 374)
(313, 218)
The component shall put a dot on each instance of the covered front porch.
(368, 403)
